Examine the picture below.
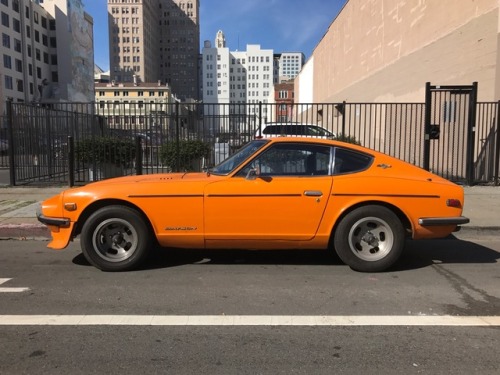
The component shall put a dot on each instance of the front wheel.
(370, 239)
(115, 238)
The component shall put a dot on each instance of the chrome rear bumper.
(441, 221)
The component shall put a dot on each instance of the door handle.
(313, 193)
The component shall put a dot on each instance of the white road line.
(11, 290)
(248, 320)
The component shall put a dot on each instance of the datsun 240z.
(277, 193)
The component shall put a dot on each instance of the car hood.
(163, 177)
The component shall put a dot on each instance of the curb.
(475, 232)
(24, 232)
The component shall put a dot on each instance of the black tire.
(370, 239)
(115, 238)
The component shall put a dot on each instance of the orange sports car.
(278, 193)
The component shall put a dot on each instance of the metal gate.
(450, 117)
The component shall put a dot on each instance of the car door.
(285, 201)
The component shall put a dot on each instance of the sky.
(281, 25)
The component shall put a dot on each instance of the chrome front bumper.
(54, 221)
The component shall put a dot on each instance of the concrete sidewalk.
(18, 211)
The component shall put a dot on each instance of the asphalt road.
(438, 279)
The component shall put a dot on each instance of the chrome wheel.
(371, 239)
(115, 240)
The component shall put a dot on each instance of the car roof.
(291, 123)
(329, 142)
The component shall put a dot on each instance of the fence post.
(260, 115)
(471, 136)
(71, 161)
(497, 148)
(177, 136)
(343, 117)
(427, 126)
(10, 127)
(138, 156)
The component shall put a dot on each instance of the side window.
(271, 129)
(349, 161)
(291, 159)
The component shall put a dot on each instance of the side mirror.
(253, 174)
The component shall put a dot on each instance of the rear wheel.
(370, 239)
(115, 238)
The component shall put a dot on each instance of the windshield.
(235, 160)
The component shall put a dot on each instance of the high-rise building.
(180, 46)
(287, 66)
(238, 76)
(47, 52)
(156, 40)
(233, 79)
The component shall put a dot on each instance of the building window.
(20, 85)
(16, 25)
(17, 45)
(55, 77)
(8, 83)
(5, 2)
(7, 62)
(37, 36)
(19, 66)
(52, 25)
(6, 40)
(5, 19)
(15, 5)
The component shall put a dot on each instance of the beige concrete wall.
(386, 50)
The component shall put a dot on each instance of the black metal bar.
(177, 136)
(260, 115)
(71, 161)
(427, 125)
(497, 148)
(138, 156)
(471, 136)
(10, 127)
(343, 117)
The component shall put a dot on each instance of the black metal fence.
(74, 143)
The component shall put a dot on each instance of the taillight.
(454, 203)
